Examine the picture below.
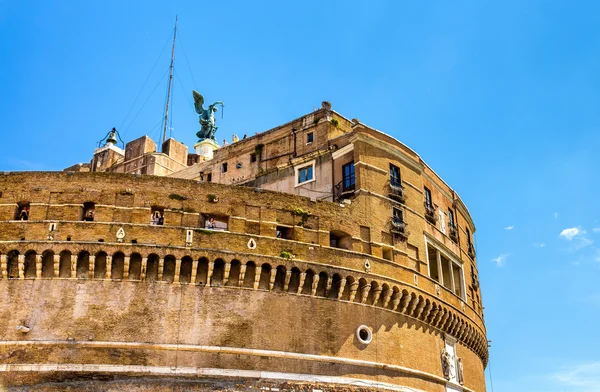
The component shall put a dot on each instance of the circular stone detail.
(364, 334)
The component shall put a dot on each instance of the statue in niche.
(459, 371)
(447, 366)
(208, 126)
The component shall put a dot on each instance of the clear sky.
(500, 98)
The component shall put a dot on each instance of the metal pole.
(169, 87)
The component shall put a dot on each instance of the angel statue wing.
(198, 101)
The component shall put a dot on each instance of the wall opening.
(117, 266)
(279, 278)
(83, 264)
(387, 253)
(22, 210)
(12, 264)
(202, 272)
(88, 211)
(29, 267)
(152, 268)
(340, 239)
(48, 264)
(308, 282)
(284, 232)
(185, 271)
(135, 266)
(234, 273)
(157, 216)
(169, 269)
(347, 288)
(100, 265)
(294, 281)
(336, 282)
(218, 273)
(265, 276)
(322, 284)
(250, 274)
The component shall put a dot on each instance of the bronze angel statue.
(207, 116)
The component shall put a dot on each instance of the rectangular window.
(434, 272)
(305, 174)
(394, 175)
(252, 158)
(428, 202)
(451, 218)
(224, 167)
(398, 215)
(349, 178)
(447, 272)
(209, 177)
(310, 137)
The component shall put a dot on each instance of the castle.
(319, 255)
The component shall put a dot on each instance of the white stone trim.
(210, 350)
(304, 165)
(342, 151)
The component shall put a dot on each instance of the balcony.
(430, 214)
(471, 250)
(343, 190)
(453, 233)
(399, 228)
(396, 192)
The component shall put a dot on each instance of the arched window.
(322, 285)
(250, 274)
(279, 278)
(152, 268)
(294, 281)
(218, 272)
(234, 273)
(100, 266)
(12, 264)
(308, 281)
(29, 267)
(335, 286)
(185, 271)
(202, 272)
(169, 269)
(48, 264)
(348, 288)
(83, 264)
(265, 276)
(135, 266)
(117, 266)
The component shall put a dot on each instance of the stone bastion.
(262, 299)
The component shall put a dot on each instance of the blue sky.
(501, 99)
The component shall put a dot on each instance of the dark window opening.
(284, 232)
(224, 167)
(428, 202)
(310, 137)
(238, 165)
(88, 212)
(339, 239)
(398, 220)
(395, 176)
(22, 212)
(157, 216)
(252, 157)
(209, 177)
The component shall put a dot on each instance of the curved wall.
(152, 301)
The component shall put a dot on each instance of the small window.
(428, 202)
(238, 165)
(394, 176)
(398, 215)
(22, 212)
(224, 167)
(305, 174)
(451, 218)
(89, 211)
(158, 216)
(284, 232)
(310, 137)
(252, 157)
(209, 177)
(201, 176)
(387, 253)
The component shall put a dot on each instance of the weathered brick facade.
(273, 298)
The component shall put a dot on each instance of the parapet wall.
(118, 295)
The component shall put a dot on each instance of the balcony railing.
(396, 192)
(430, 213)
(471, 250)
(343, 190)
(453, 233)
(399, 228)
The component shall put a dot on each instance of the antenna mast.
(170, 80)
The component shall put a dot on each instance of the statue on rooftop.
(207, 117)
